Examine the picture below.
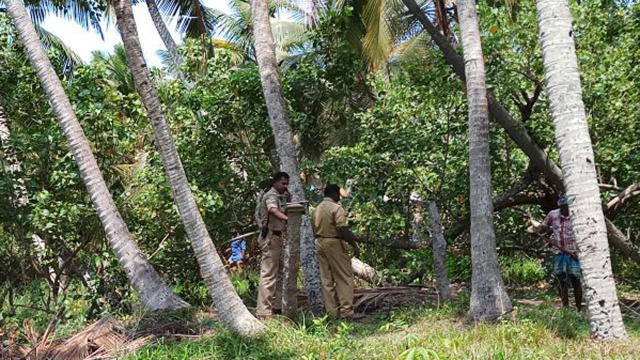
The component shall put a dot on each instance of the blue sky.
(84, 42)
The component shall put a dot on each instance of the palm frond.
(289, 35)
(416, 48)
(117, 68)
(86, 13)
(195, 19)
(52, 41)
(384, 22)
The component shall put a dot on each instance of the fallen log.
(618, 240)
(365, 272)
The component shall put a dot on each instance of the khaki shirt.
(271, 199)
(328, 217)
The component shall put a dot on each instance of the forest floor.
(538, 328)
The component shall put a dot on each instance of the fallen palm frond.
(104, 339)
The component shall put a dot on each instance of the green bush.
(521, 270)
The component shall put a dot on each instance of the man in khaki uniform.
(330, 225)
(273, 218)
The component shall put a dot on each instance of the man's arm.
(343, 231)
(541, 228)
(271, 201)
(345, 234)
(278, 214)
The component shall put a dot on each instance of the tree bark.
(439, 245)
(489, 299)
(365, 272)
(152, 289)
(230, 307)
(578, 167)
(277, 109)
(291, 258)
(165, 35)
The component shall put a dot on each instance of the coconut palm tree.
(165, 35)
(489, 300)
(562, 78)
(231, 309)
(277, 109)
(235, 27)
(153, 291)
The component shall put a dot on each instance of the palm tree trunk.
(230, 307)
(165, 35)
(489, 300)
(578, 167)
(153, 291)
(277, 108)
(439, 246)
(515, 130)
(365, 272)
(291, 258)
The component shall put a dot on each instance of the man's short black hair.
(279, 176)
(331, 189)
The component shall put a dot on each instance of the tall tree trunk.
(489, 300)
(442, 17)
(515, 130)
(165, 35)
(231, 309)
(277, 108)
(291, 258)
(578, 167)
(439, 246)
(153, 291)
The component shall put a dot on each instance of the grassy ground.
(537, 330)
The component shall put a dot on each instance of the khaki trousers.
(270, 265)
(337, 276)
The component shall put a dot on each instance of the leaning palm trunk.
(230, 307)
(266, 57)
(165, 35)
(489, 299)
(153, 291)
(578, 167)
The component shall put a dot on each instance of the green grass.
(533, 332)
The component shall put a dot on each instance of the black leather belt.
(276, 233)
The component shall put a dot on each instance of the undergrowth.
(531, 332)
